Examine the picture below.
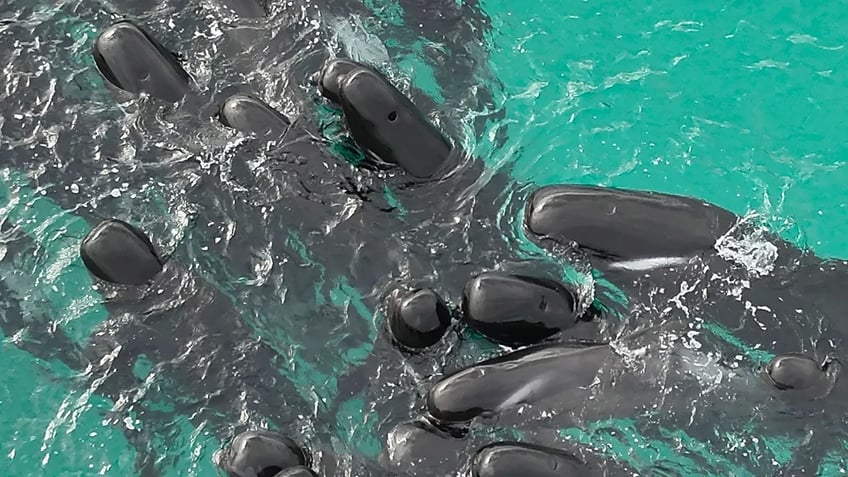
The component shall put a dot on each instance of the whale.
(260, 453)
(251, 115)
(584, 215)
(517, 310)
(512, 458)
(389, 127)
(133, 61)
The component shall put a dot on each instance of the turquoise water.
(735, 104)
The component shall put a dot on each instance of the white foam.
(651, 263)
(750, 249)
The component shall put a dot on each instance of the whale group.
(560, 357)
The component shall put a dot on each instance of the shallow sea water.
(735, 104)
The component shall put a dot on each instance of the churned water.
(271, 304)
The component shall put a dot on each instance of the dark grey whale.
(134, 61)
(118, 252)
(262, 454)
(650, 228)
(517, 310)
(503, 459)
(418, 318)
(249, 114)
(389, 127)
(645, 241)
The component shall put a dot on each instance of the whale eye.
(393, 116)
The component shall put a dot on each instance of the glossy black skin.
(676, 238)
(507, 459)
(133, 61)
(251, 115)
(332, 74)
(418, 319)
(165, 348)
(261, 453)
(118, 252)
(517, 310)
(590, 378)
(619, 225)
(385, 123)
(800, 373)
(529, 376)
(419, 449)
(554, 386)
(299, 471)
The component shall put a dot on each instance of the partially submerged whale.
(532, 377)
(503, 459)
(660, 247)
(650, 229)
(564, 378)
(518, 310)
(260, 453)
(132, 60)
(251, 115)
(389, 127)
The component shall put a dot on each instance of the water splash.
(746, 244)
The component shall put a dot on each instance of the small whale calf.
(418, 319)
